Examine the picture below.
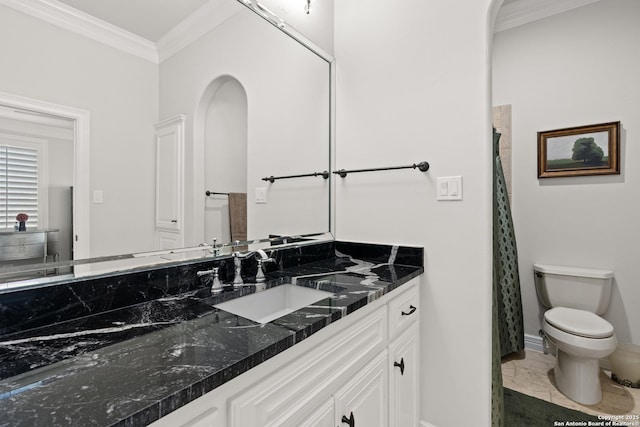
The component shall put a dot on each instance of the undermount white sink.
(272, 303)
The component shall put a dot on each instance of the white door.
(169, 174)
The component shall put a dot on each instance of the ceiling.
(149, 19)
(153, 20)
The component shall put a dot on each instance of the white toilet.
(576, 297)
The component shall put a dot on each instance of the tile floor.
(532, 373)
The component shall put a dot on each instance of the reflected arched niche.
(225, 158)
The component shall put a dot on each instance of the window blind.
(18, 185)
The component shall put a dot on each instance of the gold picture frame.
(579, 151)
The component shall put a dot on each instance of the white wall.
(47, 63)
(576, 68)
(287, 90)
(413, 85)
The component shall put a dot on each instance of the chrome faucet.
(237, 259)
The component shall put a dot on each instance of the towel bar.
(272, 178)
(422, 166)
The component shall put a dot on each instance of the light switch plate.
(261, 195)
(98, 196)
(449, 188)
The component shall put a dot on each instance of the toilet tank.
(573, 287)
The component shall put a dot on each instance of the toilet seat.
(578, 322)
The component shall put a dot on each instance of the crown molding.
(192, 28)
(196, 25)
(525, 11)
(63, 16)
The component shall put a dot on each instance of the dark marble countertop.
(132, 365)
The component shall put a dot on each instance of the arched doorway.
(222, 126)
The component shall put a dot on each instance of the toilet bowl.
(581, 339)
(575, 298)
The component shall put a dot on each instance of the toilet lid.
(579, 322)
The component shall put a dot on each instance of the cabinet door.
(299, 389)
(321, 417)
(404, 379)
(169, 179)
(363, 401)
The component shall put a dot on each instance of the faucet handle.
(211, 272)
(262, 261)
(260, 278)
(216, 287)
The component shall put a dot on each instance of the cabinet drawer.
(289, 395)
(404, 309)
(16, 246)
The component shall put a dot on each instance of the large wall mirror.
(250, 98)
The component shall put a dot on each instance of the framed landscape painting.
(579, 151)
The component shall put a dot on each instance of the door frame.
(81, 160)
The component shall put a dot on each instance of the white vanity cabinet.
(404, 359)
(345, 375)
(404, 378)
(363, 401)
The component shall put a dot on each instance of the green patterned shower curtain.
(508, 330)
(505, 261)
(497, 392)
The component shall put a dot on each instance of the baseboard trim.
(533, 342)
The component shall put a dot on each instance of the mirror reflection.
(135, 154)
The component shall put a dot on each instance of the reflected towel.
(238, 216)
